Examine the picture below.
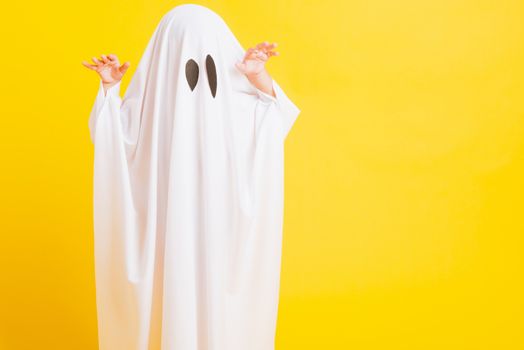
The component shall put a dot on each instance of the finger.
(114, 59)
(262, 45)
(251, 54)
(97, 62)
(271, 46)
(124, 67)
(266, 46)
(90, 66)
(105, 59)
(249, 51)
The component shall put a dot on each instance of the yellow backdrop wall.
(404, 172)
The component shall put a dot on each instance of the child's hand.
(108, 68)
(255, 58)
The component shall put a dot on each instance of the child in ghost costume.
(188, 191)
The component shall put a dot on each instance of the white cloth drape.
(188, 196)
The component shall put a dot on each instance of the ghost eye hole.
(211, 74)
(192, 73)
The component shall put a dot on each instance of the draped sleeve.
(117, 244)
(112, 96)
(282, 105)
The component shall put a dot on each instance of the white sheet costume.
(188, 195)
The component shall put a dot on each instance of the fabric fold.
(289, 111)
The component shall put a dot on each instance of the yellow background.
(404, 172)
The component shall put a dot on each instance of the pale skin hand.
(253, 66)
(109, 69)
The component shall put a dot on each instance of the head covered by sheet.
(187, 71)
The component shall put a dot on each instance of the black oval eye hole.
(211, 75)
(192, 73)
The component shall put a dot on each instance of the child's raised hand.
(108, 68)
(255, 58)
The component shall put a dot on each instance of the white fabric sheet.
(188, 197)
